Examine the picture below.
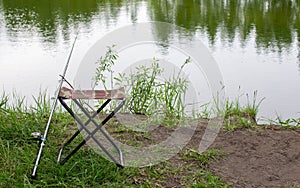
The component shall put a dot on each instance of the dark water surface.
(255, 43)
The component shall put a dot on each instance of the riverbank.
(243, 154)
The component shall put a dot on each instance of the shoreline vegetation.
(148, 93)
(10, 103)
(88, 169)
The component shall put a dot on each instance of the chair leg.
(72, 152)
(80, 129)
(91, 134)
(78, 120)
(99, 127)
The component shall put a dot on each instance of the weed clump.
(148, 92)
(238, 116)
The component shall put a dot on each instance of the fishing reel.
(36, 135)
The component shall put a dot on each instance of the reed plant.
(148, 92)
(174, 90)
(145, 93)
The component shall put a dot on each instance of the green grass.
(241, 116)
(86, 168)
(287, 123)
(204, 158)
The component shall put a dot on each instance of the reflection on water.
(275, 23)
(250, 31)
(52, 18)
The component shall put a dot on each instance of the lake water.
(256, 44)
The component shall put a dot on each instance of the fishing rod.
(43, 137)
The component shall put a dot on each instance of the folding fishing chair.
(77, 96)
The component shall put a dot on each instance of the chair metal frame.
(75, 96)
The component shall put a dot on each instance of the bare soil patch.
(260, 156)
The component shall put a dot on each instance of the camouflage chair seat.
(67, 93)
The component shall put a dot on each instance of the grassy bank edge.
(88, 169)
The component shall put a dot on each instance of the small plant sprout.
(105, 67)
(290, 122)
(3, 102)
(253, 105)
(174, 90)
